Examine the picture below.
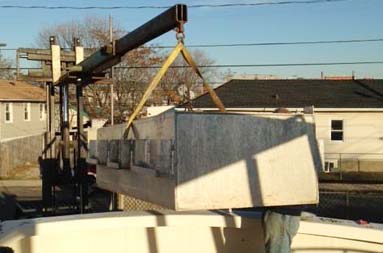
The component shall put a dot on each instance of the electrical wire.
(226, 5)
(276, 43)
(262, 65)
(232, 65)
(258, 44)
(22, 68)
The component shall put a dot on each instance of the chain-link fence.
(133, 204)
(351, 205)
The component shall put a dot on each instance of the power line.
(226, 5)
(233, 65)
(23, 68)
(258, 44)
(260, 65)
(264, 3)
(276, 43)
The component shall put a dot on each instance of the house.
(23, 111)
(348, 114)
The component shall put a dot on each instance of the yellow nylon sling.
(157, 78)
(189, 60)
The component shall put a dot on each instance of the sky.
(343, 20)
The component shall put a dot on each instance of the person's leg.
(292, 228)
(279, 231)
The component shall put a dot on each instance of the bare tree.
(227, 75)
(181, 83)
(5, 65)
(93, 32)
(129, 82)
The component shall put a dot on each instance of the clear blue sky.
(354, 19)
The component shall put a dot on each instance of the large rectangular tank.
(192, 161)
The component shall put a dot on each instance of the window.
(337, 130)
(27, 111)
(330, 165)
(8, 112)
(42, 112)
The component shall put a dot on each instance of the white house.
(23, 111)
(348, 114)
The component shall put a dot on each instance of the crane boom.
(111, 54)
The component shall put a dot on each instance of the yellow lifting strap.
(216, 100)
(157, 78)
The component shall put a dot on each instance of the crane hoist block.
(199, 160)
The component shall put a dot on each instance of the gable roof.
(297, 94)
(11, 90)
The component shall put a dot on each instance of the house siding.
(362, 147)
(19, 127)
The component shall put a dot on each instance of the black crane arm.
(110, 55)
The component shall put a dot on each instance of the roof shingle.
(297, 94)
(20, 91)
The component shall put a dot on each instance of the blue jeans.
(279, 231)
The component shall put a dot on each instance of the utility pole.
(81, 138)
(111, 73)
(114, 196)
(56, 73)
(18, 66)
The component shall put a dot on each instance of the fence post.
(358, 165)
(347, 204)
(1, 162)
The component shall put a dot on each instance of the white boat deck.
(169, 232)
